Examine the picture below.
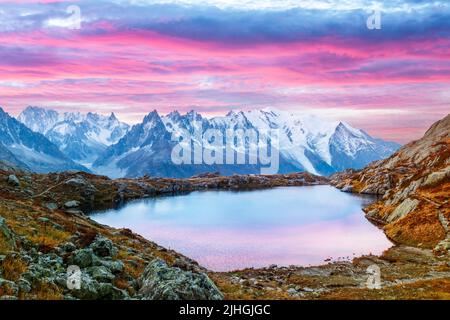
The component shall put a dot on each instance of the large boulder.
(161, 282)
(103, 247)
(72, 204)
(101, 274)
(13, 180)
(84, 258)
(81, 183)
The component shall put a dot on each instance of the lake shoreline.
(49, 207)
(227, 230)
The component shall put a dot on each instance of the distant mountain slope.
(307, 143)
(81, 137)
(415, 185)
(24, 148)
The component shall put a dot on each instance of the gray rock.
(24, 285)
(437, 177)
(43, 220)
(7, 233)
(13, 180)
(88, 288)
(103, 247)
(292, 292)
(115, 267)
(82, 183)
(108, 291)
(403, 209)
(100, 274)
(67, 247)
(161, 282)
(94, 290)
(84, 258)
(347, 188)
(72, 204)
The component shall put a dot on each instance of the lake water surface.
(227, 230)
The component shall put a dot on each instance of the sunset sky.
(130, 57)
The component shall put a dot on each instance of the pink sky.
(392, 82)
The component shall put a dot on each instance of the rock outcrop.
(161, 282)
(414, 186)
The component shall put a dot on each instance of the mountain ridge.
(414, 184)
(308, 143)
(80, 136)
(31, 150)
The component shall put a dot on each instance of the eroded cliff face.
(414, 186)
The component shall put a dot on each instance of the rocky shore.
(44, 229)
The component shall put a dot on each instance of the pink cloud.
(141, 70)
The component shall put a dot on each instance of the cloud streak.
(136, 55)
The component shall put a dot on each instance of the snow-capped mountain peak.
(27, 149)
(307, 143)
(80, 136)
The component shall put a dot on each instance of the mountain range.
(82, 137)
(22, 147)
(110, 147)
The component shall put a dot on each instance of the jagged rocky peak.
(414, 183)
(30, 150)
(112, 117)
(194, 116)
(152, 116)
(82, 137)
(307, 143)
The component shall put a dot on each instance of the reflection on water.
(226, 230)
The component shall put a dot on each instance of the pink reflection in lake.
(233, 230)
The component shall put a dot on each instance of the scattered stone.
(161, 282)
(13, 180)
(101, 274)
(68, 247)
(84, 258)
(347, 188)
(72, 204)
(292, 292)
(115, 267)
(43, 220)
(103, 247)
(82, 183)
